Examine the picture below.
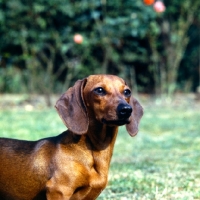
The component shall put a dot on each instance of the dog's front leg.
(86, 193)
(59, 193)
(65, 193)
(58, 190)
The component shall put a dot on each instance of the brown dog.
(74, 164)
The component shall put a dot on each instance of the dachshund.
(73, 165)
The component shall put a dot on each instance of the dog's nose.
(124, 111)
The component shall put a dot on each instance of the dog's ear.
(71, 108)
(136, 115)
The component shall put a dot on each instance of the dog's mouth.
(115, 122)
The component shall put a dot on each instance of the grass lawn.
(161, 162)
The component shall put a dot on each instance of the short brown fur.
(73, 165)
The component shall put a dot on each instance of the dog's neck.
(101, 140)
(102, 136)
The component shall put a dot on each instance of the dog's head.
(105, 98)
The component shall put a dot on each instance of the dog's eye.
(100, 91)
(127, 93)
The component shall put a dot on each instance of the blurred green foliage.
(154, 52)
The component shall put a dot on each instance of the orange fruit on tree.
(78, 38)
(148, 2)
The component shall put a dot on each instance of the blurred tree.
(126, 38)
(169, 42)
(40, 34)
